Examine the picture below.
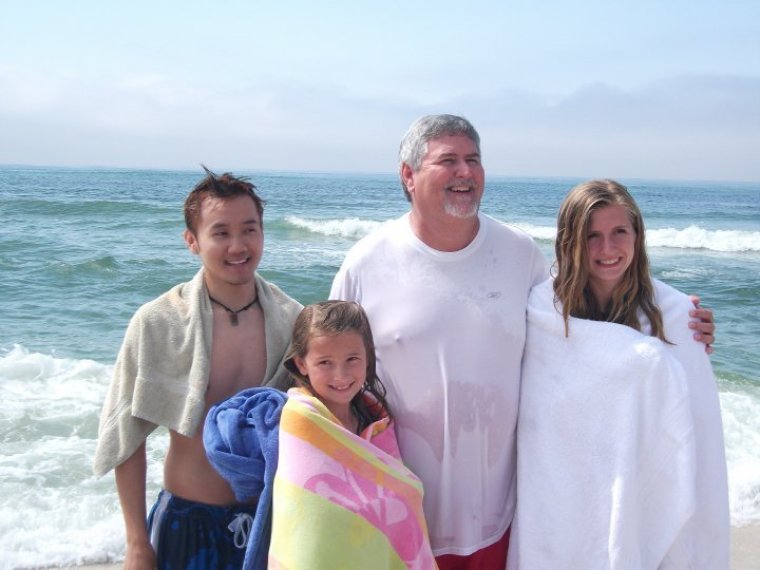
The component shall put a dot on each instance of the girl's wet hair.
(331, 318)
(571, 280)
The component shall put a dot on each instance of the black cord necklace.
(234, 314)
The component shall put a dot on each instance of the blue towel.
(241, 437)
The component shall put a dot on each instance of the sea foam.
(692, 237)
(53, 510)
(740, 410)
(348, 227)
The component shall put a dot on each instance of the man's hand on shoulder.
(704, 327)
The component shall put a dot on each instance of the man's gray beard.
(458, 212)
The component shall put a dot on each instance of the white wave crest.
(547, 233)
(741, 426)
(692, 237)
(347, 227)
(695, 237)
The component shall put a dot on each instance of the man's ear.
(407, 175)
(191, 241)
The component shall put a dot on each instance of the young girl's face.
(336, 366)
(611, 240)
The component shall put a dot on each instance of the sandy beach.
(745, 550)
(745, 547)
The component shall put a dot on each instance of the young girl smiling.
(342, 496)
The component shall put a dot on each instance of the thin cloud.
(682, 127)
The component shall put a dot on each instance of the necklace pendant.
(233, 314)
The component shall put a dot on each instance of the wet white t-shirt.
(449, 330)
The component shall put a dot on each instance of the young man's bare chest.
(238, 354)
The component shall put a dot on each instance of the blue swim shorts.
(187, 535)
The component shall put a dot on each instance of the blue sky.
(645, 89)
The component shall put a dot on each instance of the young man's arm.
(130, 483)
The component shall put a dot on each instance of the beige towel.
(162, 371)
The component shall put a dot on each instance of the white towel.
(607, 451)
(707, 535)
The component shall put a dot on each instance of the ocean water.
(80, 250)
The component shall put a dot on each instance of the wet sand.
(745, 547)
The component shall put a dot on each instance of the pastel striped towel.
(343, 500)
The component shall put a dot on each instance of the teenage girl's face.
(611, 244)
(336, 366)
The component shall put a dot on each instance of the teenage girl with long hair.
(620, 450)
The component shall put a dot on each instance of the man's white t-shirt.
(449, 330)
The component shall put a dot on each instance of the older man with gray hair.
(445, 288)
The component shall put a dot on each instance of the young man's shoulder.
(271, 293)
(172, 307)
(165, 298)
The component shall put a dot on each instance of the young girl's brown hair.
(330, 318)
(571, 280)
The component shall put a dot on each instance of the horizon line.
(92, 168)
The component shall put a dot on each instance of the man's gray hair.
(415, 142)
